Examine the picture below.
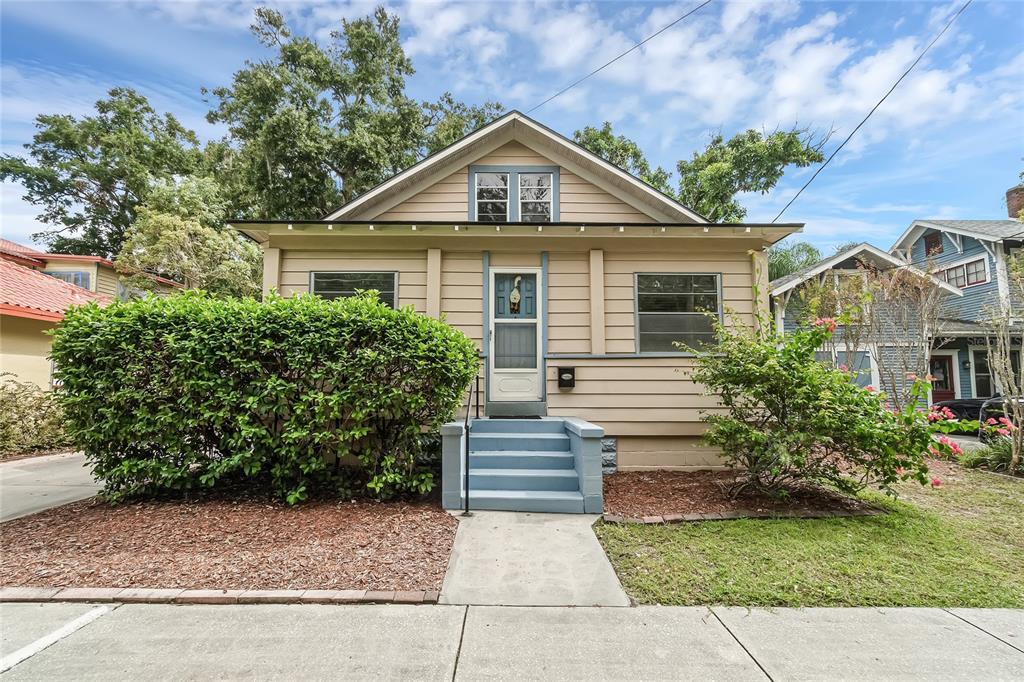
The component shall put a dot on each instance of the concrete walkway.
(110, 642)
(526, 559)
(33, 484)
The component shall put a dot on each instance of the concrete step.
(520, 459)
(517, 426)
(523, 479)
(546, 442)
(558, 501)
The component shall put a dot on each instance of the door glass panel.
(515, 345)
(939, 369)
(515, 296)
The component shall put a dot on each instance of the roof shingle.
(31, 293)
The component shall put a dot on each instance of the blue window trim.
(636, 311)
(513, 188)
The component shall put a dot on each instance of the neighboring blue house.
(879, 361)
(971, 255)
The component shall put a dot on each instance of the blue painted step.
(548, 442)
(557, 501)
(519, 459)
(517, 426)
(523, 479)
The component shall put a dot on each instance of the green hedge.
(187, 391)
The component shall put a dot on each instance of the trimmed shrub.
(30, 418)
(790, 419)
(181, 392)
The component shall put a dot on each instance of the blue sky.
(947, 143)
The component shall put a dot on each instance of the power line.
(612, 61)
(884, 97)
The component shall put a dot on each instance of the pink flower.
(1003, 432)
(900, 471)
(844, 368)
(936, 483)
(828, 323)
(992, 422)
(869, 389)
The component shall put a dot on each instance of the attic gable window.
(511, 194)
(967, 274)
(933, 244)
(492, 197)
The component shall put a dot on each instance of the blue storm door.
(515, 335)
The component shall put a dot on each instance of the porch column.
(597, 302)
(434, 282)
(271, 269)
(759, 282)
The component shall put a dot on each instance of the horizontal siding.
(579, 200)
(462, 292)
(106, 282)
(979, 301)
(569, 286)
(411, 266)
(681, 452)
(632, 396)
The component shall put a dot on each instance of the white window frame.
(955, 354)
(508, 191)
(841, 348)
(314, 273)
(993, 380)
(637, 313)
(962, 263)
(519, 195)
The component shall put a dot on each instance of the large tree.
(787, 259)
(751, 161)
(89, 174)
(180, 234)
(316, 125)
(624, 153)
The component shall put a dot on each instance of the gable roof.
(19, 253)
(517, 126)
(986, 230)
(26, 255)
(25, 292)
(784, 284)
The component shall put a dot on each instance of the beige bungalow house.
(573, 277)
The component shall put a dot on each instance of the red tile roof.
(25, 292)
(20, 254)
(26, 255)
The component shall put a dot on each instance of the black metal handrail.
(473, 391)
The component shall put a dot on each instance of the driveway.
(367, 642)
(31, 485)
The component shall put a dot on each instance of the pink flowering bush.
(789, 419)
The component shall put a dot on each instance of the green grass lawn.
(961, 544)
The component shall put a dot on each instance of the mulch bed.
(225, 544)
(646, 494)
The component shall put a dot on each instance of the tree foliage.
(180, 234)
(709, 182)
(624, 153)
(751, 161)
(784, 260)
(90, 174)
(317, 125)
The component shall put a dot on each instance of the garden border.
(138, 595)
(743, 514)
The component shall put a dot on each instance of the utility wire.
(612, 61)
(884, 97)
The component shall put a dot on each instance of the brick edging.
(136, 595)
(743, 514)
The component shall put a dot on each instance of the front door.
(941, 369)
(515, 336)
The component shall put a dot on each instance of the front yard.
(960, 544)
(230, 544)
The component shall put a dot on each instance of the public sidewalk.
(111, 642)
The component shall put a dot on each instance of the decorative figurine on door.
(515, 296)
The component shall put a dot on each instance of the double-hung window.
(492, 197)
(341, 284)
(967, 274)
(79, 278)
(526, 194)
(674, 309)
(536, 197)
